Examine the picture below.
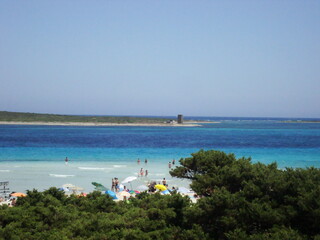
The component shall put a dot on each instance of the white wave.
(119, 166)
(60, 175)
(94, 168)
(4, 170)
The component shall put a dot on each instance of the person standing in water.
(66, 160)
(146, 173)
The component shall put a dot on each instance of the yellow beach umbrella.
(160, 187)
(18, 194)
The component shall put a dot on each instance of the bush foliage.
(239, 200)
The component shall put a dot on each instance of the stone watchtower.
(180, 118)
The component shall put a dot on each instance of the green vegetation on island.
(36, 117)
(239, 201)
(301, 121)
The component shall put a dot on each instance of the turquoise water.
(33, 156)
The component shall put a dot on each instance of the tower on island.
(180, 118)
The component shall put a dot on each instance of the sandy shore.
(198, 122)
(100, 124)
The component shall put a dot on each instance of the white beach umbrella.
(65, 189)
(129, 179)
(123, 194)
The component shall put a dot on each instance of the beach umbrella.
(123, 194)
(160, 187)
(111, 194)
(165, 192)
(134, 192)
(18, 194)
(64, 189)
(99, 186)
(129, 180)
(142, 188)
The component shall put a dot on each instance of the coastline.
(88, 124)
(300, 121)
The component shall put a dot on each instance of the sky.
(198, 58)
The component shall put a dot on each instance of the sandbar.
(100, 124)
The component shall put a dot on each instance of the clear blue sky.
(209, 58)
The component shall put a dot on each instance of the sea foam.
(94, 168)
(119, 166)
(60, 175)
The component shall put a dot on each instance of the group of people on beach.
(8, 201)
(115, 185)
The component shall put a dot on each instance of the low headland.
(301, 121)
(20, 118)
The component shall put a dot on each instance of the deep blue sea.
(265, 140)
(289, 144)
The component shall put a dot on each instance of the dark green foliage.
(51, 215)
(240, 200)
(36, 117)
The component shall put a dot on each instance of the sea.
(33, 157)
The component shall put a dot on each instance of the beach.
(24, 176)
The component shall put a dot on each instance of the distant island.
(301, 121)
(76, 120)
